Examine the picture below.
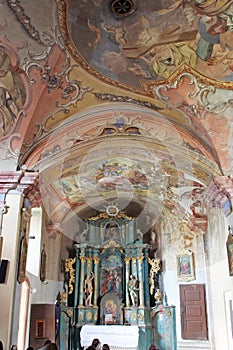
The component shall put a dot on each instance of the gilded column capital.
(127, 260)
(82, 259)
(140, 259)
(96, 260)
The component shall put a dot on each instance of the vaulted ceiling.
(117, 101)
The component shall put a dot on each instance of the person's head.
(90, 348)
(152, 347)
(96, 343)
(30, 348)
(47, 342)
(13, 347)
(105, 347)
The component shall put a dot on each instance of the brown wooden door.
(193, 311)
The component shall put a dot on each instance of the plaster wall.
(211, 269)
(44, 293)
(10, 230)
(218, 275)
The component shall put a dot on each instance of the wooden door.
(193, 312)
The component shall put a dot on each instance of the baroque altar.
(112, 281)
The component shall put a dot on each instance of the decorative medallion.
(122, 7)
(112, 210)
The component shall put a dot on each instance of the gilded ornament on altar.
(89, 316)
(152, 313)
(155, 268)
(127, 260)
(69, 313)
(96, 261)
(69, 268)
(158, 295)
(112, 243)
(168, 312)
(133, 316)
(63, 297)
(140, 316)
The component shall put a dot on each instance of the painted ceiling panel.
(150, 40)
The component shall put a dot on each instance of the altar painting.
(111, 275)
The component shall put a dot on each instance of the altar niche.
(110, 280)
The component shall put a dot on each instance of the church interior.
(116, 177)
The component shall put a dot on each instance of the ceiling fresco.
(133, 41)
(124, 160)
(12, 93)
(155, 77)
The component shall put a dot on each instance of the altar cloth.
(117, 337)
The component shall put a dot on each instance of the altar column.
(82, 275)
(127, 260)
(96, 278)
(146, 273)
(134, 267)
(76, 292)
(141, 285)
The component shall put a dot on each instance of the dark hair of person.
(95, 342)
(105, 347)
(47, 342)
(153, 347)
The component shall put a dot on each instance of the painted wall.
(218, 277)
(211, 269)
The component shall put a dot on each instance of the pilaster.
(14, 188)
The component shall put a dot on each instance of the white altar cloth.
(117, 337)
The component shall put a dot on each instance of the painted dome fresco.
(134, 42)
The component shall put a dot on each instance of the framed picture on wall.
(185, 265)
(40, 328)
(229, 245)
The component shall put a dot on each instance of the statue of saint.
(88, 287)
(133, 290)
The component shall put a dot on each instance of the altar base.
(117, 337)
